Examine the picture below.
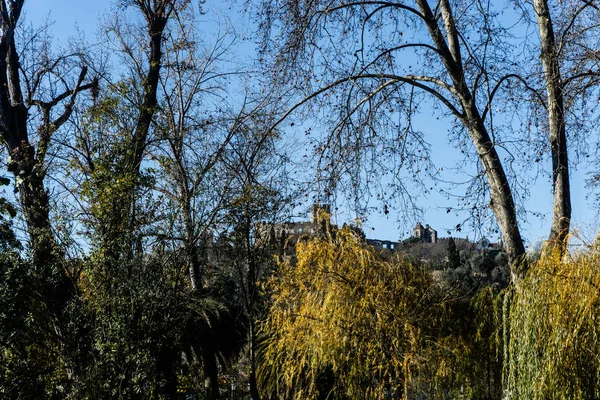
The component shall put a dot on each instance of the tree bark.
(254, 393)
(156, 17)
(501, 199)
(27, 166)
(211, 371)
(561, 217)
(123, 242)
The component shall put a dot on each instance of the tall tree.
(114, 144)
(257, 176)
(445, 63)
(568, 66)
(194, 127)
(36, 92)
(550, 57)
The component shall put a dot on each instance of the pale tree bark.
(501, 197)
(549, 56)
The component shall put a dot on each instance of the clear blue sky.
(86, 15)
(67, 15)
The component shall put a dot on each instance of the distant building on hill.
(485, 245)
(383, 244)
(320, 223)
(426, 234)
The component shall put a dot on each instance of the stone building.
(383, 244)
(320, 223)
(426, 234)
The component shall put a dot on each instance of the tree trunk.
(254, 394)
(192, 249)
(211, 371)
(251, 279)
(22, 162)
(56, 286)
(561, 217)
(156, 26)
(128, 242)
(501, 199)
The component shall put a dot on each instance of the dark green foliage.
(148, 330)
(136, 334)
(478, 271)
(31, 360)
(453, 255)
(22, 351)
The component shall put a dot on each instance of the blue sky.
(68, 15)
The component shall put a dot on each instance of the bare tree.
(568, 34)
(194, 129)
(38, 91)
(556, 122)
(444, 64)
(258, 180)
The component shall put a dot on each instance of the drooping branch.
(389, 4)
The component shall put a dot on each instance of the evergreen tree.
(453, 255)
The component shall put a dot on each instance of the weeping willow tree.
(347, 323)
(553, 346)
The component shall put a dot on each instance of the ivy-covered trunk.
(29, 182)
(27, 161)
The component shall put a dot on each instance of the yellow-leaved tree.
(553, 349)
(346, 322)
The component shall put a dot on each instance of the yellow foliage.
(553, 343)
(345, 321)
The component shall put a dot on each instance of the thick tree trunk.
(156, 16)
(211, 371)
(192, 249)
(29, 181)
(55, 286)
(501, 199)
(556, 122)
(157, 22)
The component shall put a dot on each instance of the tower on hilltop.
(426, 234)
